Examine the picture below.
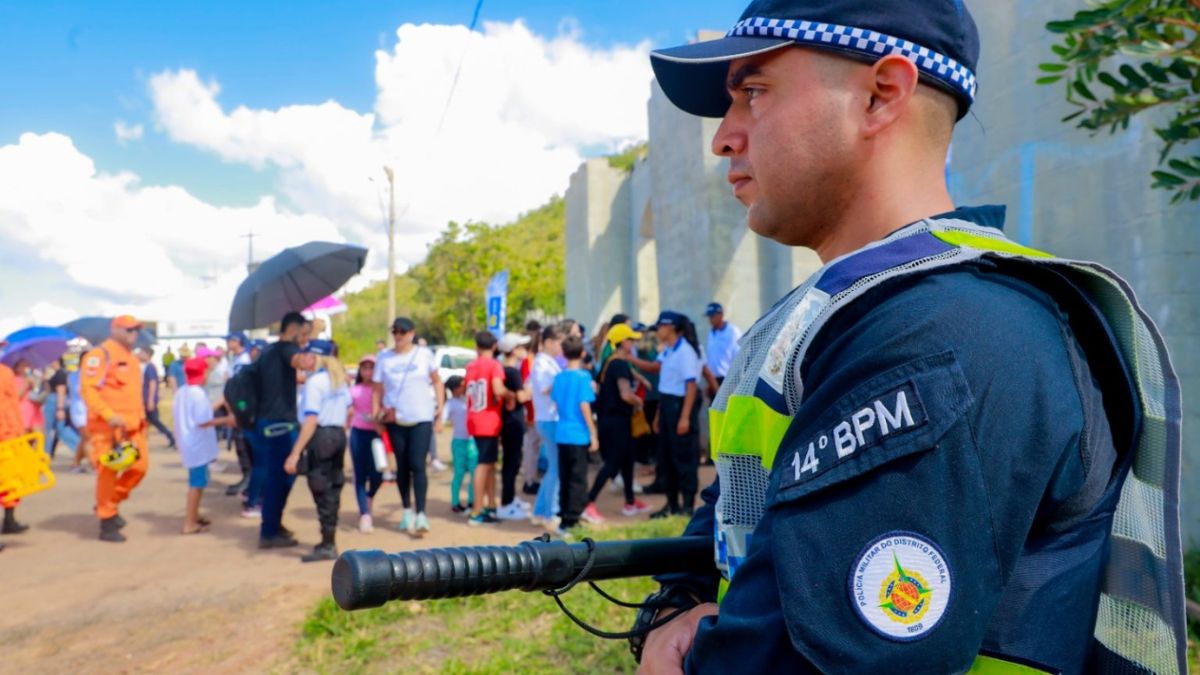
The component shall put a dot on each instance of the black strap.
(623, 635)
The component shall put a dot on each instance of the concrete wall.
(705, 252)
(1080, 196)
(598, 264)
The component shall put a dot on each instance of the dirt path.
(164, 602)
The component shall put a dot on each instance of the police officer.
(326, 404)
(722, 342)
(923, 451)
(111, 386)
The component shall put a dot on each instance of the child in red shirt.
(486, 395)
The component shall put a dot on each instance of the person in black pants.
(323, 436)
(614, 409)
(150, 393)
(575, 434)
(512, 433)
(677, 419)
(275, 426)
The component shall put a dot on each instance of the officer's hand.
(667, 647)
(116, 422)
(683, 427)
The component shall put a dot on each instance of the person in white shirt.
(677, 419)
(462, 447)
(722, 342)
(325, 407)
(545, 417)
(408, 401)
(197, 439)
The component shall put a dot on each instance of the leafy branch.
(1120, 58)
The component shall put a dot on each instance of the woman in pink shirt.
(32, 394)
(363, 432)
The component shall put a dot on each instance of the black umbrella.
(292, 280)
(96, 329)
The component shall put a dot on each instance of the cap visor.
(693, 76)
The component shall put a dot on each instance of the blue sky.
(278, 117)
(77, 67)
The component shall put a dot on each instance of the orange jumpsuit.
(111, 384)
(11, 425)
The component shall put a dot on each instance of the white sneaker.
(525, 506)
(537, 520)
(365, 524)
(406, 521)
(511, 512)
(438, 465)
(618, 485)
(252, 513)
(422, 524)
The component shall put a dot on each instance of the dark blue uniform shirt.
(1008, 466)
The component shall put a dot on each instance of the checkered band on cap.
(868, 42)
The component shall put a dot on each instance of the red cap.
(126, 321)
(195, 368)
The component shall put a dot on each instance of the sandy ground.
(165, 602)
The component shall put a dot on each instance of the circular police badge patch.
(900, 585)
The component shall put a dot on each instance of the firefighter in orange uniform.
(11, 426)
(111, 385)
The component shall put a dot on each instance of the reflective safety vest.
(1140, 616)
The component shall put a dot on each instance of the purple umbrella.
(39, 345)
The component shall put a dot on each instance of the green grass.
(513, 632)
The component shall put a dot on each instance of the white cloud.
(126, 133)
(130, 246)
(525, 110)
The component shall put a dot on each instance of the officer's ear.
(892, 83)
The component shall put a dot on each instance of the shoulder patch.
(894, 412)
(900, 585)
(900, 412)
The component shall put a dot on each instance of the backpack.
(241, 395)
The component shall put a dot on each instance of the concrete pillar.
(598, 265)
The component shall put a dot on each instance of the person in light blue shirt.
(677, 421)
(325, 408)
(722, 342)
(573, 393)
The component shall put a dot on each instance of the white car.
(452, 360)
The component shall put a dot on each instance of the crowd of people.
(534, 410)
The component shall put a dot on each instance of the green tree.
(1120, 58)
(444, 294)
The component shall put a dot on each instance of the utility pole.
(391, 278)
(249, 237)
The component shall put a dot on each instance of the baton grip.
(371, 578)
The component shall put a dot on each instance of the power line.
(458, 71)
